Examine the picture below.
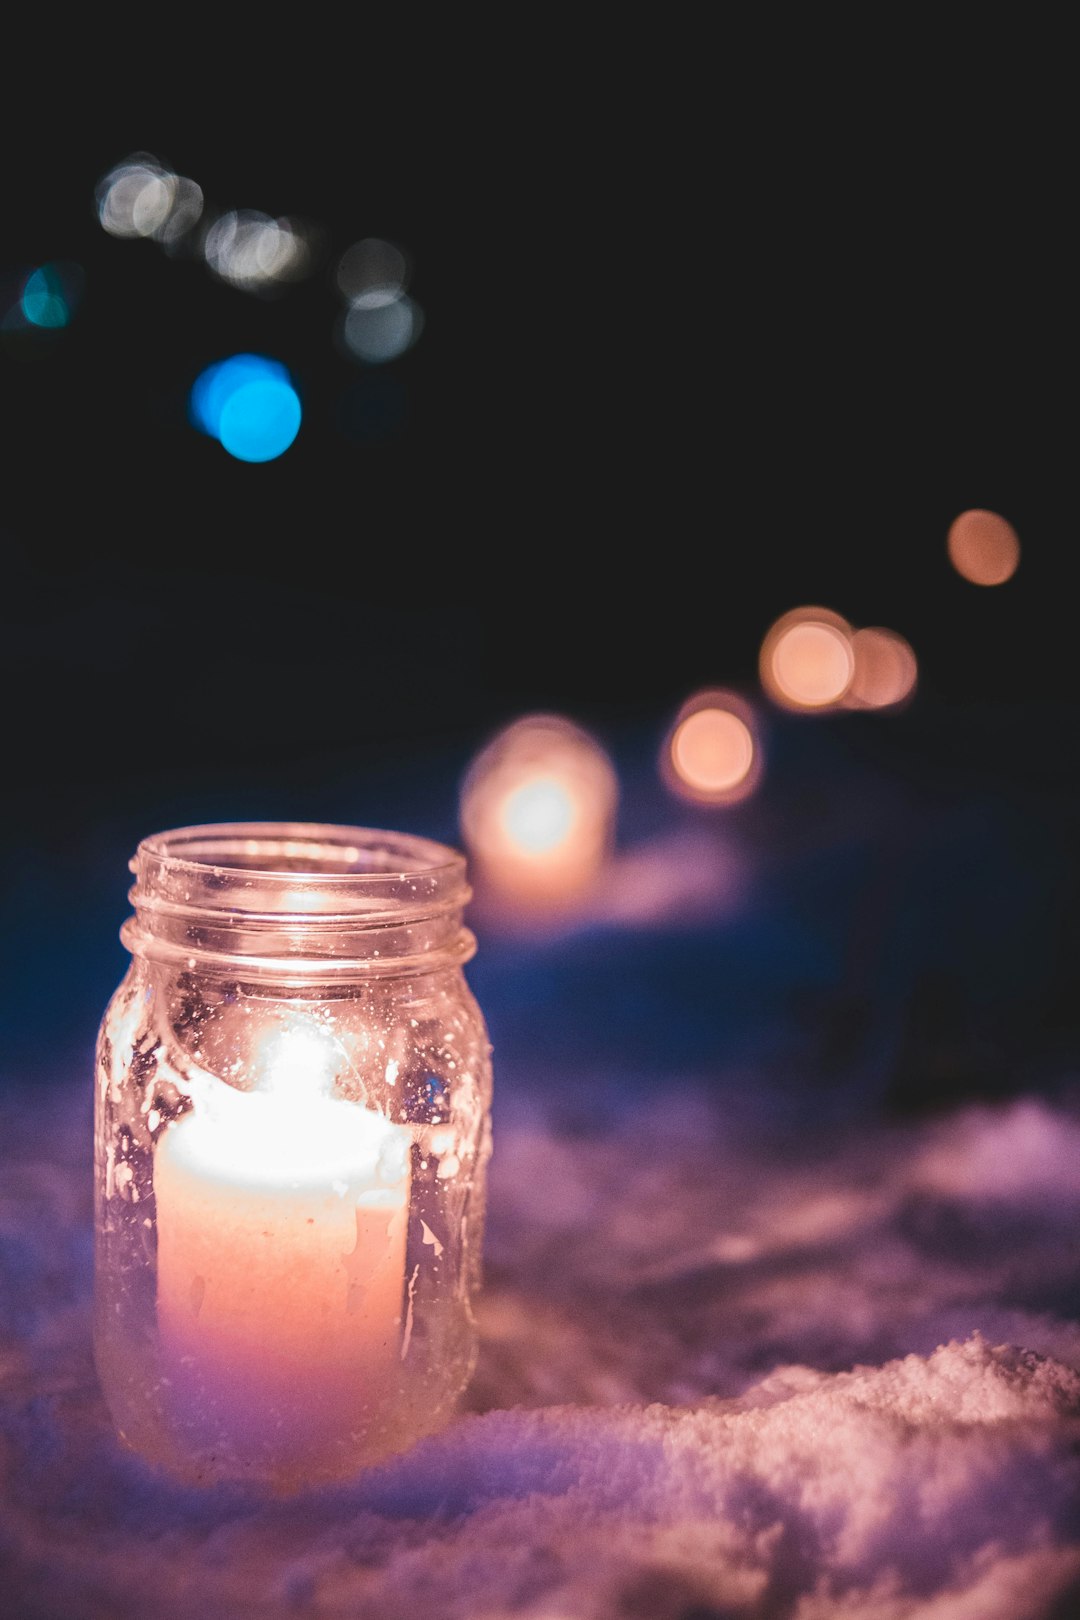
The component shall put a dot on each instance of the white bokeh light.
(380, 326)
(144, 198)
(372, 266)
(184, 214)
(136, 197)
(250, 250)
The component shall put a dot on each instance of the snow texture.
(722, 1375)
(761, 1335)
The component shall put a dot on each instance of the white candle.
(281, 1228)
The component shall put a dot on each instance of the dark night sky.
(702, 343)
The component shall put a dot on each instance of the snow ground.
(721, 1376)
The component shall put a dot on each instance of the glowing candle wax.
(281, 1229)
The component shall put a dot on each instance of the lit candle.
(537, 811)
(281, 1230)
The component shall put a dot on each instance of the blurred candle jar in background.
(538, 816)
(712, 755)
(292, 1130)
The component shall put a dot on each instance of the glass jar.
(292, 1130)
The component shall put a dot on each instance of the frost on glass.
(290, 1193)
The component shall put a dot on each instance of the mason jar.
(292, 1130)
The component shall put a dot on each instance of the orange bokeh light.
(806, 659)
(983, 547)
(886, 670)
(711, 755)
(537, 815)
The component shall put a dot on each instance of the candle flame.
(299, 1062)
(539, 815)
(283, 1142)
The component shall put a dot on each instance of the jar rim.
(364, 859)
(322, 899)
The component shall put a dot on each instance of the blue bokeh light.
(247, 402)
(260, 419)
(212, 387)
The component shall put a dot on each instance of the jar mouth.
(256, 892)
(357, 857)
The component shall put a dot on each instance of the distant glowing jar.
(292, 1132)
(537, 817)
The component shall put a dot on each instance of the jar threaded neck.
(299, 900)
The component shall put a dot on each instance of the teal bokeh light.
(43, 301)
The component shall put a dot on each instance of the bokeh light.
(252, 251)
(142, 197)
(712, 754)
(136, 197)
(806, 659)
(371, 267)
(260, 419)
(380, 326)
(186, 211)
(50, 295)
(983, 547)
(213, 386)
(537, 817)
(886, 670)
(249, 404)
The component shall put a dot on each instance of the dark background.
(708, 335)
